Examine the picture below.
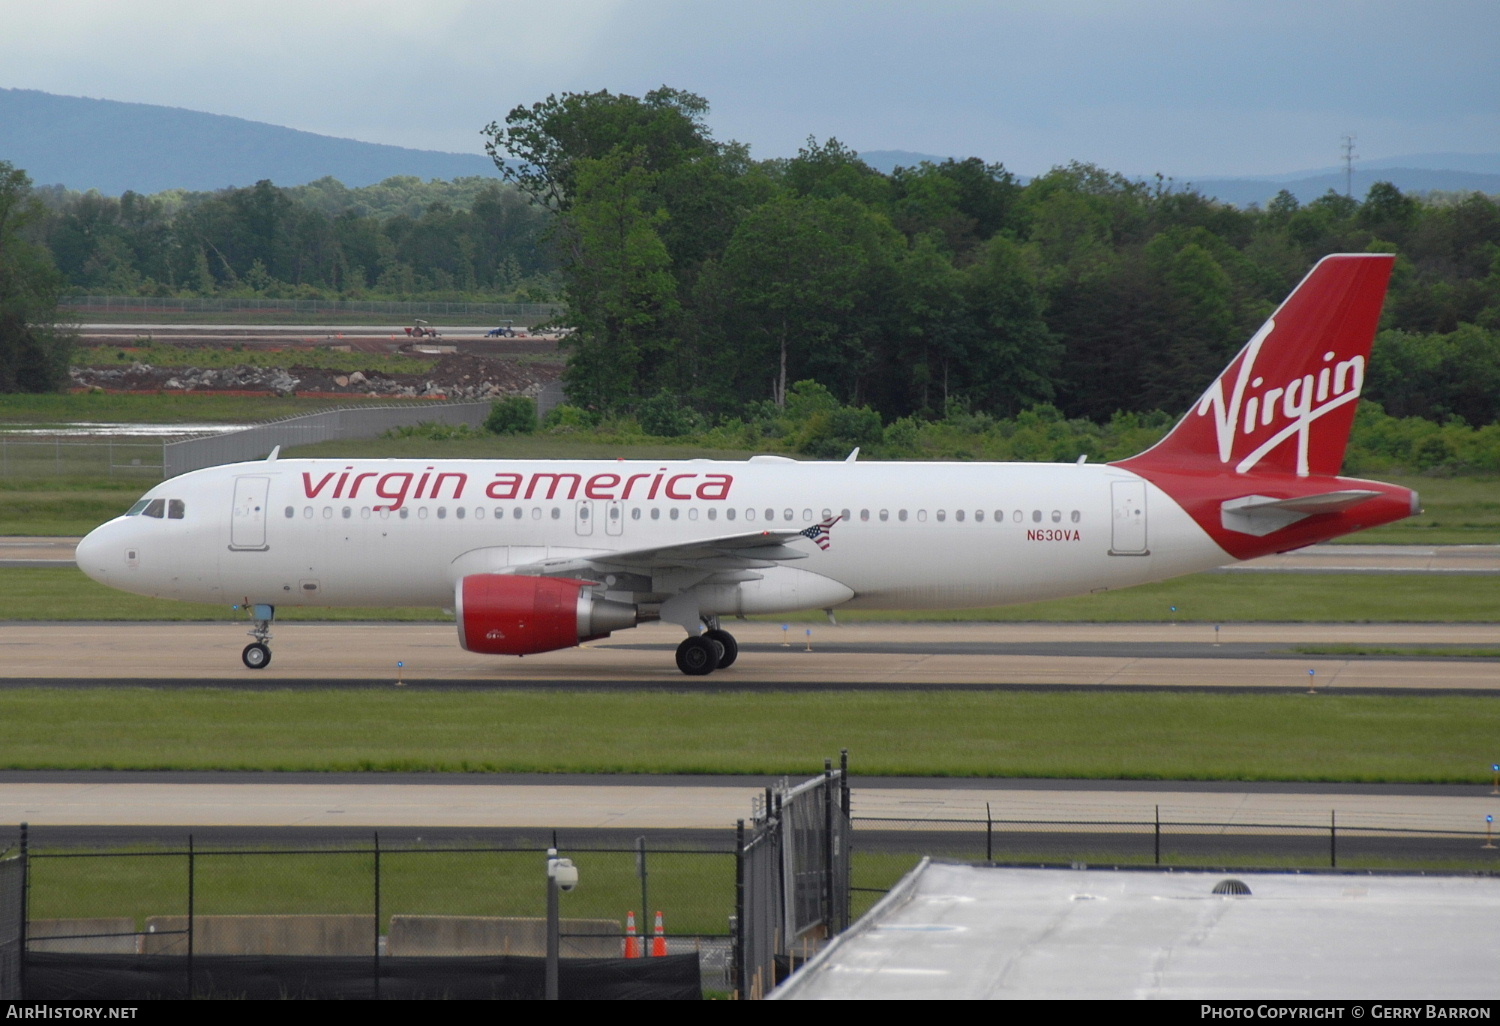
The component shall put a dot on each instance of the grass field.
(1086, 735)
(64, 593)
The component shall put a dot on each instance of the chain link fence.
(27, 458)
(374, 921)
(12, 924)
(528, 312)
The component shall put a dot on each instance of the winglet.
(274, 453)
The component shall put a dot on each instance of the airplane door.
(247, 525)
(614, 518)
(583, 517)
(1128, 501)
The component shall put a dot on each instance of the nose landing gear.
(257, 654)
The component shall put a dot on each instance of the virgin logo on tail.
(1285, 404)
(1335, 384)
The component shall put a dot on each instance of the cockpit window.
(175, 509)
(156, 508)
(135, 510)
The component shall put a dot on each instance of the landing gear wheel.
(730, 648)
(697, 656)
(256, 656)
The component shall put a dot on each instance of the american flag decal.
(822, 533)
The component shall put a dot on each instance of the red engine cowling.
(507, 614)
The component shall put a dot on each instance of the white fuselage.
(403, 532)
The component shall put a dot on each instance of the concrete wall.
(82, 936)
(262, 935)
(493, 935)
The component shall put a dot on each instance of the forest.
(701, 280)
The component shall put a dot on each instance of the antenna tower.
(1349, 156)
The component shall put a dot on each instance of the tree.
(620, 286)
(34, 351)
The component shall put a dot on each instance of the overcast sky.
(1184, 87)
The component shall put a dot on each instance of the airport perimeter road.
(344, 801)
(854, 656)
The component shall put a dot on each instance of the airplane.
(538, 555)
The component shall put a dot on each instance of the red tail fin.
(1285, 404)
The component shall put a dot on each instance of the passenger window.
(442, 512)
(655, 512)
(306, 512)
(864, 514)
(348, 512)
(806, 515)
(942, 515)
(713, 514)
(844, 514)
(979, 516)
(536, 512)
(729, 513)
(327, 512)
(1036, 516)
(901, 516)
(1016, 516)
(291, 511)
(885, 515)
(422, 513)
(771, 514)
(785, 514)
(156, 508)
(364, 512)
(635, 514)
(674, 513)
(692, 512)
(556, 512)
(405, 512)
(827, 513)
(1057, 516)
(921, 516)
(1076, 516)
(958, 515)
(749, 514)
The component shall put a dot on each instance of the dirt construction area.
(461, 363)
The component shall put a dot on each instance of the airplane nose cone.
(92, 554)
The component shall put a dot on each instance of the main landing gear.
(257, 654)
(714, 649)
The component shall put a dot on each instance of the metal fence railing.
(346, 422)
(105, 457)
(12, 923)
(527, 312)
(372, 920)
(792, 881)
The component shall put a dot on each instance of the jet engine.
(508, 614)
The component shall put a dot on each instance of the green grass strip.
(64, 593)
(1169, 736)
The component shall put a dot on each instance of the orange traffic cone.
(632, 945)
(659, 941)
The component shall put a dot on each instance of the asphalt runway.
(848, 657)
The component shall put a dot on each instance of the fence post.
(1158, 835)
(640, 867)
(1333, 839)
(377, 916)
(25, 907)
(989, 834)
(828, 916)
(737, 925)
(191, 878)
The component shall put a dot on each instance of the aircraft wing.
(753, 550)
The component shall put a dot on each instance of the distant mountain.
(1244, 191)
(111, 146)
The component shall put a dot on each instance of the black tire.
(697, 656)
(256, 656)
(730, 649)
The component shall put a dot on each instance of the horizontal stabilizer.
(1259, 515)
